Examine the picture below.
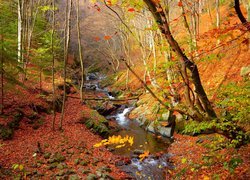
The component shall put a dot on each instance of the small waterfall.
(121, 117)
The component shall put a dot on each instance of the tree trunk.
(80, 50)
(1, 69)
(240, 15)
(66, 50)
(161, 19)
(53, 64)
(217, 13)
(19, 35)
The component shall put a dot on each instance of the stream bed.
(152, 167)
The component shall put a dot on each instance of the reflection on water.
(142, 139)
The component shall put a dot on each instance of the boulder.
(106, 108)
(165, 131)
(151, 127)
(245, 71)
(165, 116)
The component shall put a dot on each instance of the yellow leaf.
(144, 155)
(120, 146)
(131, 141)
(21, 167)
(206, 178)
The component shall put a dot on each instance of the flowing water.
(153, 167)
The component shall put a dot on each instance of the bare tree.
(53, 63)
(218, 13)
(160, 18)
(1, 69)
(80, 49)
(66, 50)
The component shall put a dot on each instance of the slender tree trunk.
(53, 64)
(80, 50)
(66, 49)
(19, 37)
(248, 10)
(162, 22)
(217, 13)
(2, 69)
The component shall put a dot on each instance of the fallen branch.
(105, 99)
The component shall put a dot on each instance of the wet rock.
(151, 127)
(106, 108)
(165, 131)
(138, 151)
(92, 76)
(119, 163)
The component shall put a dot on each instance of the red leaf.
(109, 2)
(97, 39)
(97, 7)
(131, 10)
(180, 3)
(107, 37)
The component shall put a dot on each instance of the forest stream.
(153, 166)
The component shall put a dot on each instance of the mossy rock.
(52, 166)
(91, 177)
(6, 133)
(47, 155)
(84, 163)
(59, 157)
(74, 177)
(77, 161)
(98, 127)
(60, 166)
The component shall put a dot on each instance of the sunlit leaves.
(180, 4)
(97, 38)
(118, 141)
(107, 37)
(131, 9)
(144, 155)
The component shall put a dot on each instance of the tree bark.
(1, 69)
(162, 22)
(218, 13)
(66, 50)
(53, 64)
(240, 15)
(80, 50)
(19, 36)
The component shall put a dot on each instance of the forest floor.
(43, 154)
(47, 154)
